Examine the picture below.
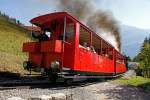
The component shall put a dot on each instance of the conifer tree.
(144, 57)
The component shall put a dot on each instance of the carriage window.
(107, 50)
(84, 38)
(96, 44)
(119, 58)
(70, 30)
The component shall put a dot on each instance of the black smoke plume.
(95, 19)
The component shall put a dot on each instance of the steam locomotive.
(68, 49)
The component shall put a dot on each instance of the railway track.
(19, 84)
(22, 84)
(41, 82)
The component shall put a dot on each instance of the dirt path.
(113, 91)
(94, 91)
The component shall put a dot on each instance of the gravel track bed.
(98, 91)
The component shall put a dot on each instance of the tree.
(144, 57)
(18, 22)
(0, 13)
(149, 40)
(129, 58)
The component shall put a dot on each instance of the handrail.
(67, 42)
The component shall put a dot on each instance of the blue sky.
(129, 12)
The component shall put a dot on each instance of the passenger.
(85, 45)
(92, 48)
(106, 55)
(103, 53)
(41, 37)
(82, 45)
(88, 48)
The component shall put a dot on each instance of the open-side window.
(119, 58)
(70, 31)
(96, 44)
(107, 50)
(84, 38)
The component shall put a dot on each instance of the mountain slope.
(132, 39)
(12, 37)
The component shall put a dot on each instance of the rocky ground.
(95, 91)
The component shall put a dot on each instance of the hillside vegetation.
(12, 37)
(144, 58)
(137, 81)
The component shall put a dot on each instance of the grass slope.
(11, 40)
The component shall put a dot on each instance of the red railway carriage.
(68, 48)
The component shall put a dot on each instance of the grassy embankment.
(136, 81)
(12, 37)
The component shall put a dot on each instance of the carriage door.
(69, 50)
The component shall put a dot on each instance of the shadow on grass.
(145, 86)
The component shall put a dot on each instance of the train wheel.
(53, 78)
